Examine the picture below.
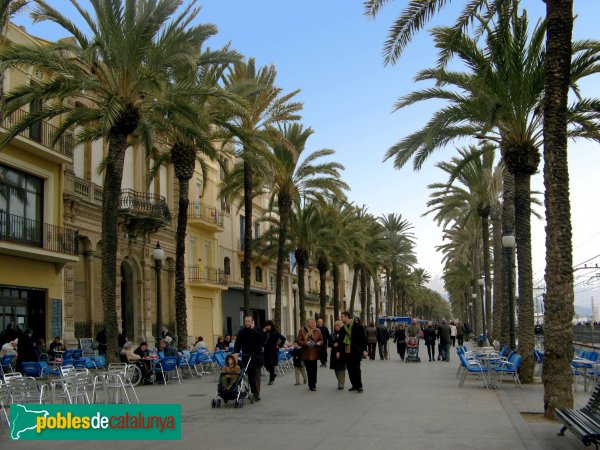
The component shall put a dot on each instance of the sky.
(333, 54)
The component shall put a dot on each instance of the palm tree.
(208, 106)
(266, 105)
(500, 102)
(122, 67)
(8, 9)
(289, 180)
(557, 376)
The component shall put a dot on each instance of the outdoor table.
(584, 365)
(486, 362)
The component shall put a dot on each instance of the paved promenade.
(403, 406)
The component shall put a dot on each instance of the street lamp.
(481, 283)
(470, 318)
(159, 255)
(508, 242)
(294, 290)
(474, 314)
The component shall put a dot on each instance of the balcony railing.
(207, 275)
(33, 233)
(198, 210)
(42, 133)
(88, 190)
(144, 204)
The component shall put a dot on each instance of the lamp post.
(481, 283)
(508, 242)
(159, 255)
(474, 323)
(471, 314)
(295, 290)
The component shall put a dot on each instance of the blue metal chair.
(511, 368)
(471, 367)
(166, 366)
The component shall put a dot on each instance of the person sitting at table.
(128, 352)
(145, 364)
(167, 348)
(200, 344)
(227, 342)
(10, 348)
(220, 345)
(40, 347)
(56, 346)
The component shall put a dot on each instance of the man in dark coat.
(444, 334)
(383, 336)
(355, 348)
(326, 341)
(250, 341)
(430, 338)
(26, 349)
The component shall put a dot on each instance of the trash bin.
(481, 340)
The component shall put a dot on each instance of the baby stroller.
(412, 350)
(233, 386)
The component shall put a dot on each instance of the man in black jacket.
(444, 334)
(354, 349)
(250, 341)
(326, 340)
(383, 337)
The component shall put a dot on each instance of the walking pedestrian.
(310, 339)
(336, 361)
(460, 332)
(383, 335)
(274, 340)
(453, 333)
(250, 341)
(299, 367)
(430, 338)
(444, 333)
(400, 340)
(414, 330)
(371, 332)
(355, 348)
(326, 342)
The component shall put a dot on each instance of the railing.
(144, 204)
(33, 233)
(88, 190)
(41, 132)
(198, 210)
(207, 274)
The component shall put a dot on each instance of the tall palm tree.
(559, 298)
(8, 9)
(500, 101)
(194, 140)
(122, 67)
(559, 243)
(266, 106)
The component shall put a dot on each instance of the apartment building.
(36, 244)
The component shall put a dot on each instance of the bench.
(583, 423)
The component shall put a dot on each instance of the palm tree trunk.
(389, 305)
(363, 293)
(301, 264)
(477, 301)
(497, 242)
(485, 234)
(180, 294)
(354, 287)
(377, 297)
(113, 175)
(508, 226)
(284, 204)
(335, 271)
(523, 238)
(559, 298)
(322, 267)
(247, 235)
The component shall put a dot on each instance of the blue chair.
(510, 368)
(67, 355)
(32, 369)
(77, 354)
(189, 362)
(471, 367)
(7, 362)
(166, 366)
(77, 363)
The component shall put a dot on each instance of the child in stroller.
(233, 383)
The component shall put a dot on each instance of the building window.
(272, 282)
(21, 206)
(227, 266)
(256, 230)
(258, 274)
(242, 269)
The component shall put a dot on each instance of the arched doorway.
(127, 300)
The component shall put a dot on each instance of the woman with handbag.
(400, 340)
(310, 339)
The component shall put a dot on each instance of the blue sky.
(332, 52)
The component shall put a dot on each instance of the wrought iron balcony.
(42, 132)
(33, 233)
(143, 204)
(205, 216)
(202, 274)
